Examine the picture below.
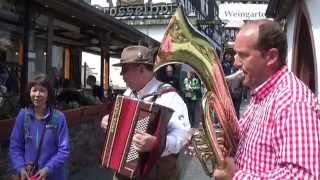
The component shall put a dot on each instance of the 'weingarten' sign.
(240, 12)
(146, 10)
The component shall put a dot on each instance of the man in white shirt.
(236, 89)
(137, 70)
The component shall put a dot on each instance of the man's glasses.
(123, 70)
(126, 68)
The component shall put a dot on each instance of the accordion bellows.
(130, 115)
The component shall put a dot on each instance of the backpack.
(53, 122)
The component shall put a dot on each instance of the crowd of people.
(279, 132)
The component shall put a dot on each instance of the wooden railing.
(73, 116)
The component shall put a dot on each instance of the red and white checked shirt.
(280, 131)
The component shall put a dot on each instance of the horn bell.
(183, 44)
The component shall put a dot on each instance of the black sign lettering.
(122, 11)
(113, 11)
(164, 10)
(130, 11)
(154, 10)
(139, 11)
(149, 10)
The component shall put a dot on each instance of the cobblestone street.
(190, 170)
(190, 166)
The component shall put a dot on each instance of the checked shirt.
(280, 131)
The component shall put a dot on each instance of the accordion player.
(128, 117)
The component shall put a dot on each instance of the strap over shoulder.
(162, 89)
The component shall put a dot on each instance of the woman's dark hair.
(41, 80)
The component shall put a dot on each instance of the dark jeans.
(194, 112)
(237, 102)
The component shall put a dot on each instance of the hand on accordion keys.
(144, 142)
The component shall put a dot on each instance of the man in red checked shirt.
(280, 131)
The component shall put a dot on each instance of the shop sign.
(137, 22)
(146, 10)
(151, 21)
(240, 11)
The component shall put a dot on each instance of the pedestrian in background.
(167, 74)
(236, 89)
(280, 130)
(192, 96)
(171, 78)
(227, 64)
(39, 142)
(97, 91)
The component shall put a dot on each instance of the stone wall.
(4, 160)
(86, 141)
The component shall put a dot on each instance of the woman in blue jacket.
(40, 125)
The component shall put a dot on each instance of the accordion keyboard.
(141, 126)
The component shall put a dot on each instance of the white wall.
(94, 62)
(314, 15)
(159, 1)
(154, 31)
(116, 80)
(291, 27)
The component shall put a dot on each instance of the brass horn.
(183, 44)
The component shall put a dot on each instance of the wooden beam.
(67, 63)
(49, 42)
(104, 76)
(26, 29)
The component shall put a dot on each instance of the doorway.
(303, 65)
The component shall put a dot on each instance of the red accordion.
(130, 115)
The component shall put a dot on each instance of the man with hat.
(137, 70)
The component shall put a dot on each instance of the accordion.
(130, 115)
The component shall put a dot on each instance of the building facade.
(49, 36)
(152, 16)
(234, 13)
(300, 19)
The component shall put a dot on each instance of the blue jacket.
(55, 145)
